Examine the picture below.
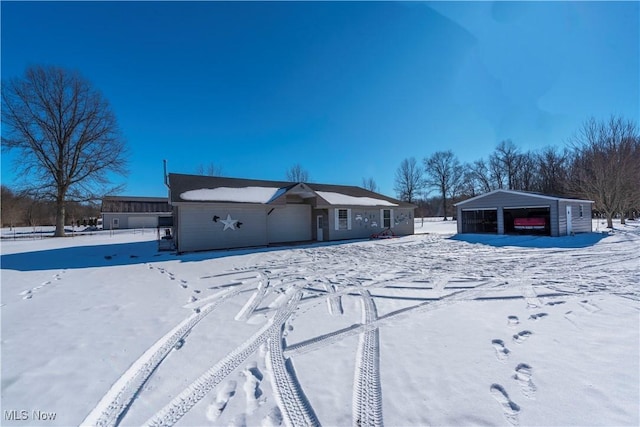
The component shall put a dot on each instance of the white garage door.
(289, 224)
(143, 222)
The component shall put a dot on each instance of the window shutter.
(348, 219)
(337, 219)
(391, 218)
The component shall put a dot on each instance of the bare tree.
(297, 174)
(552, 167)
(210, 170)
(526, 175)
(369, 184)
(606, 165)
(481, 177)
(66, 134)
(505, 162)
(408, 180)
(444, 174)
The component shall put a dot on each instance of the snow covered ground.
(431, 329)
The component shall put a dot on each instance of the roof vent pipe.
(166, 182)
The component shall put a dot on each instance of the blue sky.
(347, 90)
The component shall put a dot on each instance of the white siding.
(199, 232)
(289, 224)
(143, 221)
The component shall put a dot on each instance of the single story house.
(222, 213)
(519, 212)
(135, 212)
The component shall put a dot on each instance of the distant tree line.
(20, 209)
(601, 162)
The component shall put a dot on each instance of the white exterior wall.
(578, 224)
(366, 221)
(291, 223)
(199, 232)
(132, 219)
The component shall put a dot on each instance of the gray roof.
(523, 193)
(134, 204)
(180, 183)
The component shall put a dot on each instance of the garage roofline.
(524, 193)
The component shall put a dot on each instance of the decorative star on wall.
(229, 223)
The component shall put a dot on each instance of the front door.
(569, 225)
(319, 233)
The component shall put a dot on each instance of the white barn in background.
(135, 212)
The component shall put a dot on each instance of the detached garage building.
(223, 213)
(135, 212)
(518, 212)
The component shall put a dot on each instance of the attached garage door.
(480, 221)
(289, 224)
(143, 222)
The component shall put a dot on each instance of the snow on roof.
(228, 194)
(343, 199)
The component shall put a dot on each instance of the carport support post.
(500, 220)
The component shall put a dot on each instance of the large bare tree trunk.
(59, 219)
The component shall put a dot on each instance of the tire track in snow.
(335, 336)
(197, 390)
(111, 408)
(367, 390)
(256, 298)
(293, 403)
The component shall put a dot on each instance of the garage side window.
(343, 219)
(581, 211)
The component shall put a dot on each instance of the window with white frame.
(343, 219)
(386, 218)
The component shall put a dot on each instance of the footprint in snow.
(523, 377)
(253, 378)
(509, 407)
(502, 352)
(537, 316)
(273, 418)
(227, 391)
(520, 337)
(512, 321)
(193, 299)
(552, 303)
